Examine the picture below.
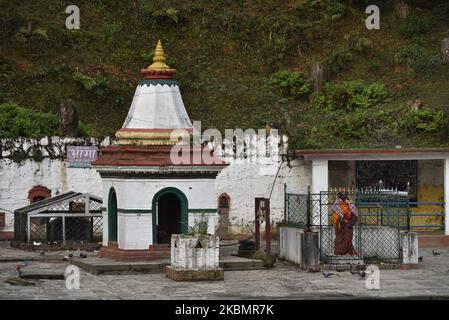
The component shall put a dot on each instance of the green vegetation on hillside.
(240, 64)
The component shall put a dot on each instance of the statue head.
(343, 195)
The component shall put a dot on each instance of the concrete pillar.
(310, 251)
(320, 176)
(446, 195)
(320, 182)
(409, 250)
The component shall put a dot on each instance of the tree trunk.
(445, 50)
(401, 9)
(318, 77)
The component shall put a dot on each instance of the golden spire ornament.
(158, 70)
(159, 58)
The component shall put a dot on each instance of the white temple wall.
(26, 163)
(244, 182)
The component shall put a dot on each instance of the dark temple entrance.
(168, 217)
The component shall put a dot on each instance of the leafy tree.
(16, 121)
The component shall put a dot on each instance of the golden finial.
(159, 58)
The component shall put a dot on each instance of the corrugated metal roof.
(61, 198)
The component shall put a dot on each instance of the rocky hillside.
(241, 63)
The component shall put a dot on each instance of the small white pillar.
(446, 196)
(320, 176)
(320, 182)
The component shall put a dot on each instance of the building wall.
(244, 182)
(26, 163)
(134, 203)
(430, 189)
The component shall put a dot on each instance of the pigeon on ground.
(83, 255)
(70, 255)
(327, 275)
(420, 259)
(435, 253)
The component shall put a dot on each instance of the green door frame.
(184, 209)
(112, 215)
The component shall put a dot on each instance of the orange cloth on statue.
(344, 206)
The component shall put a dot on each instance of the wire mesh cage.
(67, 217)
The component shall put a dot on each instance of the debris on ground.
(19, 282)
(267, 258)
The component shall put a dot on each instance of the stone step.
(159, 247)
(134, 255)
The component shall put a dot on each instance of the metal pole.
(285, 203)
(267, 225)
(29, 228)
(63, 228)
(257, 225)
(309, 211)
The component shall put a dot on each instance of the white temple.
(148, 197)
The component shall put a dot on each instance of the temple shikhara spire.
(157, 108)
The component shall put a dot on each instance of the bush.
(382, 4)
(416, 58)
(84, 130)
(167, 16)
(109, 31)
(98, 86)
(16, 121)
(442, 12)
(339, 60)
(200, 225)
(414, 26)
(426, 4)
(325, 10)
(291, 84)
(427, 121)
(351, 95)
(335, 9)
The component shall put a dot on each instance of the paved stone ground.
(284, 281)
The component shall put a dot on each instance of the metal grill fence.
(376, 235)
(75, 228)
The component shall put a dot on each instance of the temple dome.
(157, 108)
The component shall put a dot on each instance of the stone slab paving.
(284, 281)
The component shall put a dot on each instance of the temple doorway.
(168, 217)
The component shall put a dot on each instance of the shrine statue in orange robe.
(344, 216)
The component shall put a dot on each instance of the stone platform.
(204, 274)
(433, 241)
(96, 265)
